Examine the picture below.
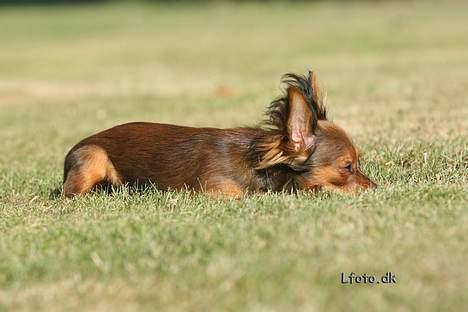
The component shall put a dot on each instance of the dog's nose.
(365, 182)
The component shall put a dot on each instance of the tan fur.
(315, 87)
(324, 176)
(225, 188)
(273, 154)
(96, 168)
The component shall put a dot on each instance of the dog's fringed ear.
(317, 97)
(300, 126)
(294, 119)
(315, 87)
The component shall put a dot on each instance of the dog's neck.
(275, 178)
(279, 178)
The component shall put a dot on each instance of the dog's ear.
(317, 97)
(316, 92)
(295, 119)
(300, 126)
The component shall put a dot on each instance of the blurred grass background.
(396, 75)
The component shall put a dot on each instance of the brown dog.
(297, 148)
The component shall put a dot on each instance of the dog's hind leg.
(85, 168)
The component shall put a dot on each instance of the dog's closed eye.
(349, 167)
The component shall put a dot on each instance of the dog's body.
(296, 149)
(137, 153)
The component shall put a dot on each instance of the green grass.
(396, 76)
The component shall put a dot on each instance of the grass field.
(396, 75)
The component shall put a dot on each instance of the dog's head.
(320, 153)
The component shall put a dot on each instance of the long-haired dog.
(296, 148)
